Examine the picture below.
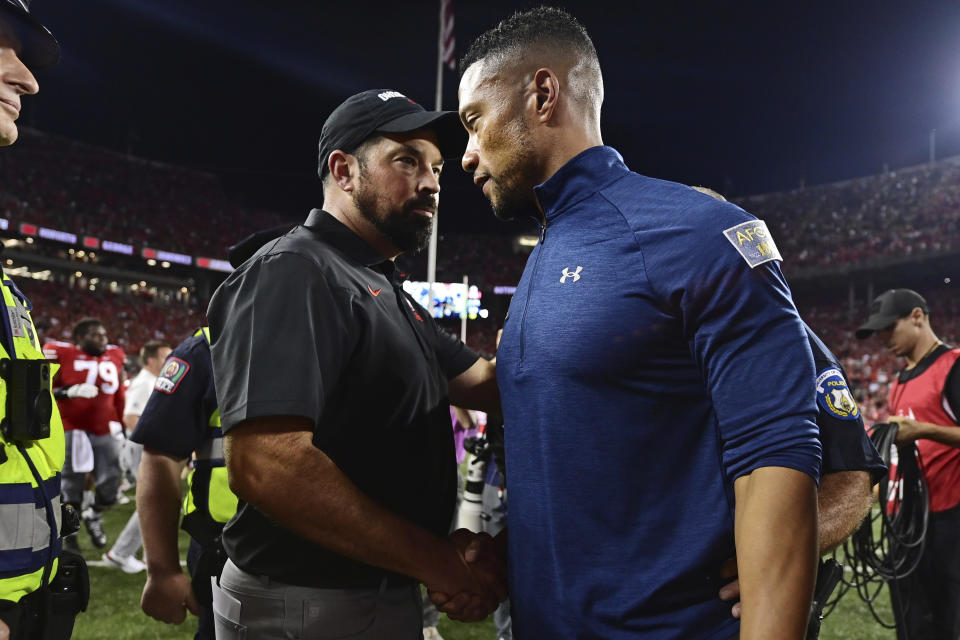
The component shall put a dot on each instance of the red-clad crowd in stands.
(88, 191)
(80, 189)
(910, 212)
(131, 319)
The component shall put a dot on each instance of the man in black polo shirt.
(334, 388)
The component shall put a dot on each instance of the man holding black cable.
(925, 405)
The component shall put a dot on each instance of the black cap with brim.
(39, 48)
(446, 124)
(875, 323)
(385, 111)
(889, 307)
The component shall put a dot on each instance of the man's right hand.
(167, 597)
(731, 590)
(481, 576)
(83, 390)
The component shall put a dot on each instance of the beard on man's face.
(408, 231)
(510, 202)
(511, 192)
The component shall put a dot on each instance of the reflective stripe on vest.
(26, 526)
(209, 502)
(24, 530)
(211, 450)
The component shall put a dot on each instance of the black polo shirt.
(316, 324)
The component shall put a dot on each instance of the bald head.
(541, 38)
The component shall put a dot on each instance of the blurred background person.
(925, 404)
(89, 392)
(152, 356)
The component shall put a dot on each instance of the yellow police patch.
(833, 395)
(754, 242)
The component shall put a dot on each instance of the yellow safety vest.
(209, 502)
(29, 534)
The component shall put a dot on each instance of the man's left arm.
(909, 429)
(752, 350)
(472, 379)
(776, 537)
(843, 501)
(476, 388)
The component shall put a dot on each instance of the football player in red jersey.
(89, 392)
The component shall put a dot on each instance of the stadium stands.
(911, 213)
(88, 191)
(907, 212)
(129, 318)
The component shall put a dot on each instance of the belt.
(382, 581)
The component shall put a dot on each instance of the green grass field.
(114, 612)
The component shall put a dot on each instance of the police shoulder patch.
(174, 371)
(833, 395)
(754, 242)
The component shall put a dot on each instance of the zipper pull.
(543, 231)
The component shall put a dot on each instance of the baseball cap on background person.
(39, 48)
(384, 111)
(888, 307)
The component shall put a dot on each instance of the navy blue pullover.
(644, 366)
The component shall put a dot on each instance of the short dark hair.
(83, 327)
(359, 152)
(151, 349)
(549, 26)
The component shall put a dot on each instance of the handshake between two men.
(470, 588)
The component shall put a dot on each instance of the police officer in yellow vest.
(41, 587)
(180, 421)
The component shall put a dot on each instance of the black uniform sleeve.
(281, 338)
(453, 355)
(846, 445)
(951, 390)
(176, 418)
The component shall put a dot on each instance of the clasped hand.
(474, 587)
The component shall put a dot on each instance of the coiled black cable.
(889, 543)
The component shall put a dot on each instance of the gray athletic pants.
(106, 472)
(248, 607)
(130, 539)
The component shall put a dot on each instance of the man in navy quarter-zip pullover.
(656, 381)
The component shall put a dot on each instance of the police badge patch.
(172, 375)
(754, 242)
(834, 396)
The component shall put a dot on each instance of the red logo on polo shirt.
(375, 293)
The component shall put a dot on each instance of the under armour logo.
(575, 275)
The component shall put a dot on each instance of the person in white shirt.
(152, 357)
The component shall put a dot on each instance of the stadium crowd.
(910, 212)
(131, 319)
(73, 187)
